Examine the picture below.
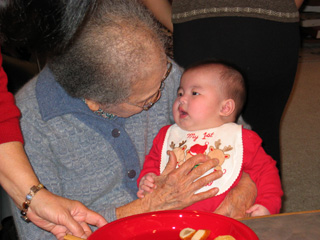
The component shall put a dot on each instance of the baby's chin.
(186, 127)
(184, 123)
(193, 127)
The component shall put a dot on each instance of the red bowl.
(166, 225)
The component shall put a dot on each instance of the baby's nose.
(182, 100)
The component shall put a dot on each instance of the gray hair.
(110, 53)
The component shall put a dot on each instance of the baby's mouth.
(182, 113)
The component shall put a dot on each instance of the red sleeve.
(263, 171)
(152, 160)
(9, 113)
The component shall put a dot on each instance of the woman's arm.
(16, 174)
(239, 199)
(175, 187)
(161, 10)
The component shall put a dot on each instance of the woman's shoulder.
(27, 94)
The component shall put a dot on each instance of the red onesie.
(260, 166)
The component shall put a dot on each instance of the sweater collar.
(53, 100)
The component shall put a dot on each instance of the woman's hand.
(176, 186)
(298, 3)
(239, 199)
(62, 216)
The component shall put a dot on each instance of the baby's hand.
(258, 210)
(146, 184)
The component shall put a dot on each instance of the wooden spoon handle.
(70, 237)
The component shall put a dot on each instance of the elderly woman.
(86, 132)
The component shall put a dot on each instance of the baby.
(209, 100)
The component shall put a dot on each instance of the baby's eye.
(195, 93)
(179, 94)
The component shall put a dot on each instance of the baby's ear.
(227, 107)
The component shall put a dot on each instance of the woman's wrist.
(16, 174)
(135, 207)
(29, 197)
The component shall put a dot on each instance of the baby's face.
(199, 100)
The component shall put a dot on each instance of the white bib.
(224, 143)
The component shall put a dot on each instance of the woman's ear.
(227, 108)
(92, 105)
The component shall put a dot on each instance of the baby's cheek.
(175, 111)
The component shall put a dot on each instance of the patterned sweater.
(276, 10)
(80, 155)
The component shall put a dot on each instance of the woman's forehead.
(148, 82)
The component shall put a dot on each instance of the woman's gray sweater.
(82, 156)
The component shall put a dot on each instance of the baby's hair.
(232, 80)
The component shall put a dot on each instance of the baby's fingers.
(149, 184)
(252, 209)
(146, 188)
(140, 194)
(150, 179)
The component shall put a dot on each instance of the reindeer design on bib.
(179, 152)
(216, 152)
(183, 155)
